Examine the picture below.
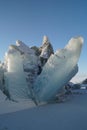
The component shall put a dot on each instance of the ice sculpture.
(58, 70)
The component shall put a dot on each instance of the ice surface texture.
(15, 79)
(58, 70)
(22, 65)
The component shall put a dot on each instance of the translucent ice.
(15, 80)
(58, 70)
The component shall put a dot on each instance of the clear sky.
(30, 20)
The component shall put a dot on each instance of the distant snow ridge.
(79, 78)
(37, 72)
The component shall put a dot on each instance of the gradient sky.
(30, 20)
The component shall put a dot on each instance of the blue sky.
(30, 20)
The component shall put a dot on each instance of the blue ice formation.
(58, 70)
(39, 73)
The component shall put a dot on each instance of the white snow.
(47, 49)
(44, 53)
(79, 78)
(8, 106)
(23, 47)
(69, 115)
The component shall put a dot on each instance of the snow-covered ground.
(68, 115)
(8, 106)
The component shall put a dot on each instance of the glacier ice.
(14, 77)
(58, 70)
(22, 69)
(1, 77)
(38, 72)
(23, 47)
(2, 96)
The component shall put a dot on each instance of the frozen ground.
(68, 115)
